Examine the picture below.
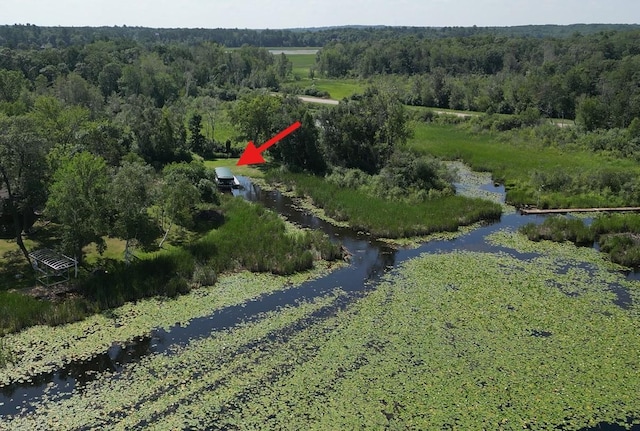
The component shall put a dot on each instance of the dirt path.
(311, 99)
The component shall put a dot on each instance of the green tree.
(363, 133)
(283, 65)
(22, 173)
(334, 60)
(130, 194)
(301, 150)
(159, 137)
(197, 141)
(58, 123)
(78, 200)
(256, 115)
(108, 78)
(75, 90)
(198, 175)
(11, 84)
(105, 139)
(178, 198)
(591, 114)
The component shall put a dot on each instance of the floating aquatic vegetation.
(454, 341)
(460, 340)
(159, 385)
(45, 349)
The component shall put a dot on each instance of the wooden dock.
(533, 211)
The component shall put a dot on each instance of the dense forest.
(594, 78)
(32, 36)
(574, 72)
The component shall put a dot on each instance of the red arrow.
(252, 154)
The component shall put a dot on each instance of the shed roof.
(52, 259)
(224, 173)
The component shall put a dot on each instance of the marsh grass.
(257, 239)
(18, 311)
(560, 229)
(251, 238)
(533, 173)
(390, 218)
(337, 88)
(617, 234)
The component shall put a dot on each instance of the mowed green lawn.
(246, 170)
(302, 63)
(337, 88)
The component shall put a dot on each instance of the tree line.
(592, 78)
(25, 36)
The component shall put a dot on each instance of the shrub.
(204, 275)
(616, 233)
(560, 229)
(622, 248)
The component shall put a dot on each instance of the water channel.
(370, 259)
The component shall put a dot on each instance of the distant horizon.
(364, 26)
(290, 14)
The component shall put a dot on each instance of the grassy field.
(515, 163)
(216, 125)
(302, 63)
(337, 88)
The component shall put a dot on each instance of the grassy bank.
(250, 238)
(387, 218)
(534, 174)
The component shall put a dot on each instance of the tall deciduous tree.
(254, 115)
(22, 172)
(178, 197)
(130, 194)
(591, 113)
(363, 133)
(78, 200)
(301, 150)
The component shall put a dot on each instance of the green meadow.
(337, 88)
(302, 63)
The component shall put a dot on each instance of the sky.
(276, 14)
